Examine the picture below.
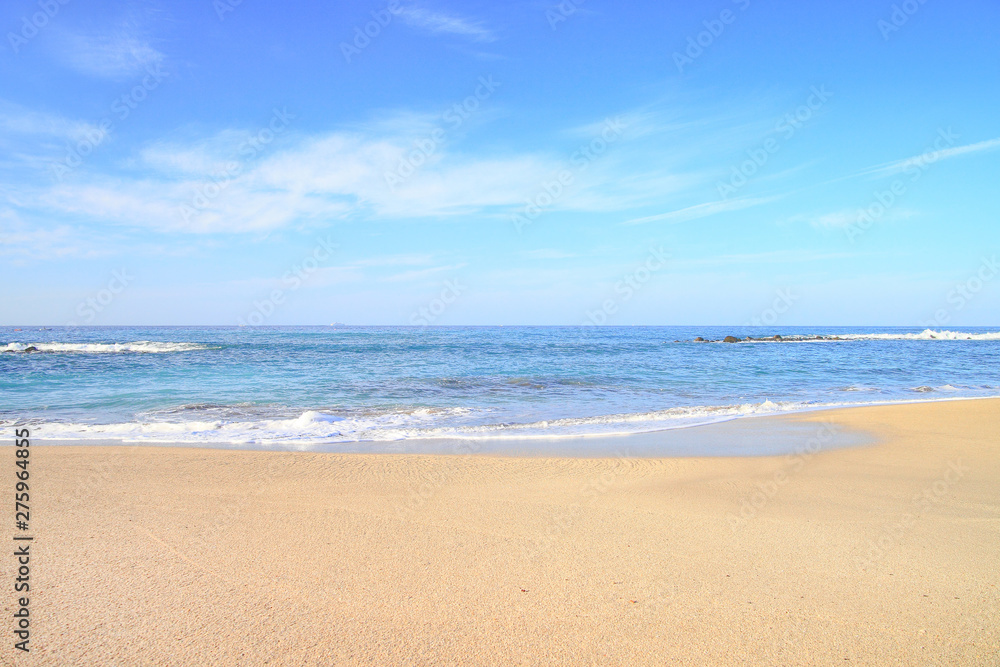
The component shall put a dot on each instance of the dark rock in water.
(676, 341)
(776, 337)
(31, 348)
(699, 339)
(730, 339)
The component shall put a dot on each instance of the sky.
(435, 162)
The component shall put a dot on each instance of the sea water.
(320, 387)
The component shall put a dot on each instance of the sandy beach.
(873, 555)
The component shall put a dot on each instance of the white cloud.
(20, 241)
(16, 120)
(440, 23)
(702, 210)
(419, 274)
(395, 260)
(924, 159)
(547, 253)
(112, 55)
(847, 217)
(182, 186)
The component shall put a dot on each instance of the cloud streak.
(337, 175)
(16, 120)
(701, 210)
(845, 218)
(919, 161)
(115, 55)
(446, 24)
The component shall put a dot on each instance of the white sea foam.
(316, 427)
(923, 389)
(926, 334)
(143, 346)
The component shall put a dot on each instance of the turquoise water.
(301, 387)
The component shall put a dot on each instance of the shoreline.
(677, 443)
(879, 554)
(761, 436)
(783, 432)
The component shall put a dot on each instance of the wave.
(926, 334)
(318, 427)
(142, 346)
(924, 389)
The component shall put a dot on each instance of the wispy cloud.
(547, 253)
(325, 177)
(20, 240)
(450, 24)
(16, 120)
(344, 175)
(395, 260)
(412, 276)
(791, 256)
(918, 161)
(847, 217)
(702, 210)
(117, 54)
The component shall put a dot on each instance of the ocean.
(308, 387)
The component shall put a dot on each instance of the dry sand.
(879, 555)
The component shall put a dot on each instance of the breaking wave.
(315, 427)
(142, 346)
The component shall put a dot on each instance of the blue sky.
(499, 163)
